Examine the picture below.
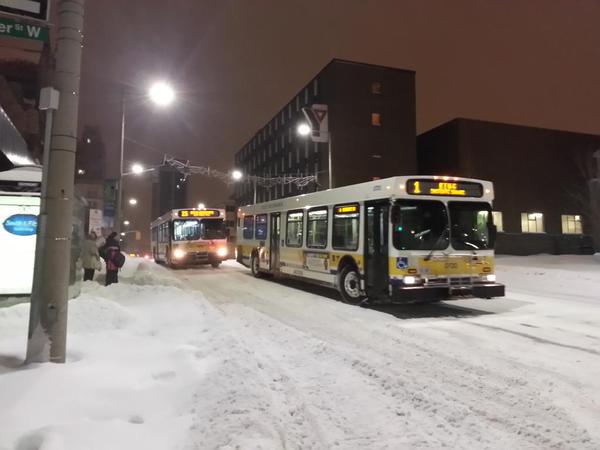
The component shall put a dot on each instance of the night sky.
(235, 63)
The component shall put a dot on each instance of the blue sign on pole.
(21, 224)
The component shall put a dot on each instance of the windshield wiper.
(437, 242)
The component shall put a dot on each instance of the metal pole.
(254, 190)
(49, 300)
(330, 166)
(118, 212)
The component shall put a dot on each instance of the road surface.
(517, 372)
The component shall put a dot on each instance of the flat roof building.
(372, 132)
(541, 179)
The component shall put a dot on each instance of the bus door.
(376, 248)
(275, 227)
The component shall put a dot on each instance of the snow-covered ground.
(204, 358)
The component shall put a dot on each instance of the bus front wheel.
(215, 264)
(349, 286)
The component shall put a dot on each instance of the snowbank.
(133, 365)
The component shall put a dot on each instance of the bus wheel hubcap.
(351, 284)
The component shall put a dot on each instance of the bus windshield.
(192, 230)
(420, 225)
(471, 225)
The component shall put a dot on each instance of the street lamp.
(161, 94)
(201, 206)
(132, 201)
(237, 175)
(304, 129)
(137, 169)
(126, 222)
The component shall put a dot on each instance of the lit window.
(376, 119)
(376, 87)
(571, 224)
(497, 216)
(532, 222)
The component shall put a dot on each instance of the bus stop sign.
(33, 9)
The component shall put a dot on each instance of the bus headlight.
(491, 278)
(222, 252)
(178, 253)
(409, 279)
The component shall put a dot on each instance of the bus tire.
(215, 264)
(349, 285)
(254, 266)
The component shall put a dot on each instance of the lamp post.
(304, 130)
(161, 94)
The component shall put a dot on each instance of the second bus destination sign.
(444, 188)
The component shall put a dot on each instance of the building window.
(345, 227)
(532, 222)
(571, 224)
(261, 225)
(248, 227)
(497, 217)
(376, 87)
(376, 119)
(294, 228)
(316, 228)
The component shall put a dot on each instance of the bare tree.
(586, 191)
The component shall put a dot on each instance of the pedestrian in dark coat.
(108, 252)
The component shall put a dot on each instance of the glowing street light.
(137, 169)
(237, 175)
(126, 222)
(303, 129)
(132, 201)
(161, 93)
(201, 206)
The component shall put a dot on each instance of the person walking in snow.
(111, 252)
(90, 257)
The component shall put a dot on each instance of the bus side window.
(294, 228)
(261, 226)
(248, 227)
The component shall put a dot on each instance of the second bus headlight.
(178, 253)
(222, 252)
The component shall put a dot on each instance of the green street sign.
(13, 28)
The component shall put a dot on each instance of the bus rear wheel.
(349, 286)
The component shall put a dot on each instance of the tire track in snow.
(448, 407)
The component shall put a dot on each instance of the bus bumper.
(413, 294)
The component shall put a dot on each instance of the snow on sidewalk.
(136, 354)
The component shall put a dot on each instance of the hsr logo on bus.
(21, 224)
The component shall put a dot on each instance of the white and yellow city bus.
(184, 237)
(400, 239)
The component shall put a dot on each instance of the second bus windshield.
(192, 230)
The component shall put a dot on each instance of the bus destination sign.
(446, 188)
(199, 213)
(346, 209)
